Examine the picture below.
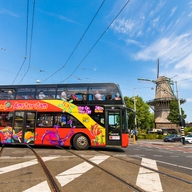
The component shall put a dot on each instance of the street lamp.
(135, 114)
(180, 116)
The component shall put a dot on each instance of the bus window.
(99, 118)
(114, 120)
(75, 122)
(76, 90)
(45, 119)
(46, 93)
(62, 120)
(7, 93)
(25, 93)
(6, 119)
(30, 121)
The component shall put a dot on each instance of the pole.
(180, 116)
(135, 115)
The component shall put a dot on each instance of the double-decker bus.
(78, 115)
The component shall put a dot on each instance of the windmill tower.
(164, 94)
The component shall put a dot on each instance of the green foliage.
(187, 130)
(145, 119)
(174, 112)
(151, 136)
(141, 137)
(161, 136)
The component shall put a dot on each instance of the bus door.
(24, 123)
(113, 124)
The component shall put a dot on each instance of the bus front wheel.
(80, 142)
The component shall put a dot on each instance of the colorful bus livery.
(64, 122)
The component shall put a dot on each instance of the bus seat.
(29, 97)
(50, 97)
(19, 97)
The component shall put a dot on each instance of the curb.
(178, 144)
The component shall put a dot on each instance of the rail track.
(151, 169)
(131, 186)
(46, 170)
(1, 150)
(50, 178)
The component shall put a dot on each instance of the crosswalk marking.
(73, 173)
(147, 179)
(23, 165)
(43, 187)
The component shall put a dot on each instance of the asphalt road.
(19, 171)
(174, 156)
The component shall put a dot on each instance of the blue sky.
(117, 41)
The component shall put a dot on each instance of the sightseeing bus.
(72, 115)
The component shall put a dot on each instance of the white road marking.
(149, 180)
(23, 165)
(175, 165)
(140, 155)
(43, 187)
(120, 155)
(71, 174)
(190, 156)
(158, 155)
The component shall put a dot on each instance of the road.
(144, 166)
(174, 156)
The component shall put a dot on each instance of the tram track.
(151, 169)
(50, 178)
(125, 181)
(46, 170)
(1, 150)
(129, 185)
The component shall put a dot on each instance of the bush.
(151, 136)
(141, 137)
(161, 136)
(187, 130)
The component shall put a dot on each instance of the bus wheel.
(80, 142)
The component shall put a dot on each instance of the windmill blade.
(141, 79)
(157, 68)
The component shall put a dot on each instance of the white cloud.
(61, 17)
(131, 41)
(155, 21)
(173, 11)
(190, 14)
(175, 57)
(186, 62)
(189, 99)
(123, 25)
(158, 8)
(170, 49)
(7, 12)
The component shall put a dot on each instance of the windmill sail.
(157, 68)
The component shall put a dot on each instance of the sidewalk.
(159, 142)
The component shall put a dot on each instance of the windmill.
(164, 94)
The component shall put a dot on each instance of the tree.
(174, 112)
(145, 119)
